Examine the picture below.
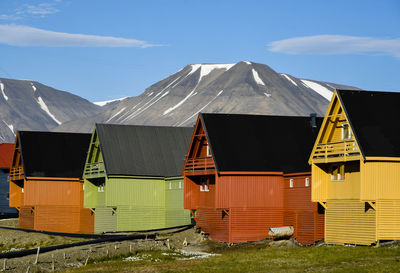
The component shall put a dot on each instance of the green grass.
(261, 258)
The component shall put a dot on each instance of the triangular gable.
(336, 140)
(17, 168)
(199, 157)
(94, 164)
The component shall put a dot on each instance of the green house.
(133, 177)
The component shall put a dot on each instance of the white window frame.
(307, 182)
(208, 150)
(180, 184)
(170, 185)
(348, 130)
(291, 183)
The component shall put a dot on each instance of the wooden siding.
(86, 221)
(49, 192)
(300, 212)
(135, 191)
(349, 221)
(135, 218)
(214, 222)
(252, 224)
(388, 219)
(105, 220)
(249, 191)
(16, 194)
(26, 218)
(58, 218)
(191, 197)
(380, 180)
(93, 195)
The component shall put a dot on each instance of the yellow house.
(356, 167)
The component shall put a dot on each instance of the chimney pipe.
(313, 117)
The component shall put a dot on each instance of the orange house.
(6, 151)
(245, 174)
(46, 183)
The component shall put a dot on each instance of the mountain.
(30, 105)
(244, 87)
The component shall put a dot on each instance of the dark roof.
(260, 143)
(6, 153)
(50, 154)
(143, 150)
(374, 118)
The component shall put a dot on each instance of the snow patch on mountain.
(289, 79)
(257, 77)
(10, 126)
(206, 69)
(323, 91)
(201, 109)
(2, 91)
(102, 103)
(119, 112)
(33, 87)
(267, 95)
(46, 109)
(145, 106)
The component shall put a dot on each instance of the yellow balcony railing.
(16, 173)
(343, 150)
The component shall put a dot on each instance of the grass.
(44, 242)
(259, 258)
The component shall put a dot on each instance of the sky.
(102, 49)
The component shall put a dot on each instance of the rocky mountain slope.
(244, 87)
(30, 105)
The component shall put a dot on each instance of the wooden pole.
(52, 263)
(37, 255)
(4, 264)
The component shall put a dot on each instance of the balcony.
(346, 150)
(16, 173)
(93, 170)
(200, 165)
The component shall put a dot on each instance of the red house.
(247, 173)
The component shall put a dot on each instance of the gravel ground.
(77, 256)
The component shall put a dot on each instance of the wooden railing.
(346, 148)
(16, 173)
(199, 164)
(94, 169)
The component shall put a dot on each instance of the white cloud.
(39, 9)
(9, 17)
(18, 35)
(336, 44)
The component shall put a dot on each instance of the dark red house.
(247, 173)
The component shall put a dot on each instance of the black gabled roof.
(51, 154)
(260, 143)
(374, 118)
(143, 150)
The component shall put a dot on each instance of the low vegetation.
(255, 258)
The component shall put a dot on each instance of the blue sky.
(101, 49)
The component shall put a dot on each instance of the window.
(208, 150)
(307, 182)
(205, 183)
(291, 183)
(346, 132)
(180, 184)
(337, 173)
(170, 185)
(22, 190)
